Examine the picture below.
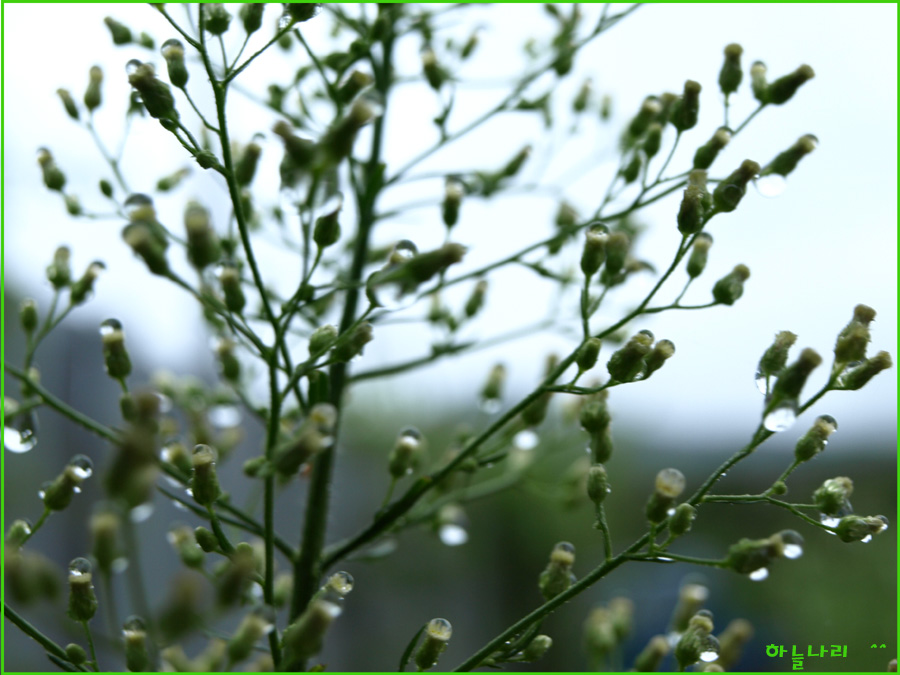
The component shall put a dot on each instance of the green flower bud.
(699, 255)
(651, 657)
(632, 170)
(833, 496)
(106, 188)
(322, 339)
(758, 81)
(597, 484)
(134, 634)
(118, 364)
(355, 83)
(732, 641)
(217, 17)
(354, 343)
(302, 11)
(731, 74)
(82, 600)
(775, 357)
(127, 407)
(435, 73)
(54, 179)
(751, 555)
(327, 230)
(535, 413)
(173, 52)
(690, 600)
(558, 576)
(76, 654)
(854, 337)
(339, 139)
(661, 352)
(860, 528)
(73, 205)
(252, 627)
(492, 391)
(18, 532)
(453, 194)
(731, 190)
(515, 164)
(600, 637)
(668, 486)
(779, 487)
(650, 111)
(303, 638)
(183, 541)
(204, 481)
(251, 16)
(469, 46)
(627, 363)
(697, 643)
(653, 140)
(706, 154)
(206, 540)
(858, 377)
(815, 440)
(155, 94)
(230, 278)
(436, 637)
(687, 108)
(476, 300)
(536, 649)
(594, 253)
(315, 435)
(30, 577)
(59, 273)
(58, 493)
(617, 246)
(68, 103)
(682, 520)
(104, 526)
(228, 361)
(407, 452)
(245, 169)
(205, 158)
(588, 353)
(121, 35)
(28, 315)
(284, 586)
(781, 90)
(792, 378)
(606, 107)
(785, 162)
(203, 247)
(143, 241)
(601, 446)
(731, 287)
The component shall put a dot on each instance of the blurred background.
(824, 245)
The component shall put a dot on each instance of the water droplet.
(792, 551)
(42, 492)
(771, 185)
(133, 66)
(19, 440)
(119, 565)
(866, 539)
(165, 403)
(178, 505)
(760, 574)
(762, 382)
(257, 592)
(76, 490)
(829, 521)
(453, 535)
(284, 21)
(171, 47)
(79, 567)
(109, 327)
(709, 656)
(81, 466)
(671, 512)
(440, 629)
(526, 439)
(139, 207)
(781, 416)
(224, 415)
(342, 582)
(267, 614)
(662, 558)
(404, 250)
(140, 513)
(331, 606)
(492, 406)
(133, 624)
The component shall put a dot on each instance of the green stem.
(222, 538)
(90, 640)
(604, 528)
(37, 525)
(22, 624)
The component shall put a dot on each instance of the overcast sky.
(826, 244)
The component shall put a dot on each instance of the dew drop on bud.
(81, 466)
(792, 551)
(284, 21)
(762, 382)
(224, 415)
(19, 441)
(491, 406)
(866, 539)
(781, 417)
(79, 567)
(771, 185)
(709, 656)
(829, 521)
(453, 535)
(109, 327)
(132, 66)
(140, 513)
(526, 439)
(760, 574)
(342, 582)
(133, 624)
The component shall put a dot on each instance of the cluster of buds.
(314, 435)
(753, 556)
(558, 575)
(639, 358)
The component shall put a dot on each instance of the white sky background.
(828, 243)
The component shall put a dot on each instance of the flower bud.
(327, 230)
(253, 627)
(121, 35)
(206, 540)
(588, 353)
(204, 481)
(354, 343)
(230, 278)
(731, 74)
(731, 190)
(536, 411)
(758, 81)
(854, 337)
(301, 11)
(858, 377)
(558, 576)
(303, 638)
(54, 179)
(284, 586)
(82, 288)
(68, 103)
(339, 139)
(732, 641)
(18, 532)
(661, 352)
(142, 240)
(58, 494)
(134, 634)
(731, 287)
(315, 435)
(407, 452)
(775, 357)
(28, 315)
(699, 255)
(697, 643)
(59, 273)
(651, 656)
(217, 17)
(597, 484)
(653, 140)
(600, 637)
(203, 247)
(82, 600)
(690, 601)
(185, 543)
(437, 636)
(785, 162)
(833, 497)
(321, 339)
(792, 378)
(515, 164)
(626, 363)
(781, 90)
(682, 520)
(115, 356)
(632, 170)
(355, 83)
(860, 528)
(749, 555)
(650, 110)
(434, 72)
(453, 194)
(815, 440)
(104, 526)
(476, 299)
(76, 654)
(687, 108)
(493, 388)
(536, 649)
(155, 94)
(617, 245)
(706, 154)
(173, 52)
(251, 16)
(594, 252)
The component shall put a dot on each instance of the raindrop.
(671, 512)
(762, 382)
(267, 614)
(179, 505)
(284, 21)
(19, 440)
(42, 492)
(662, 558)
(491, 406)
(771, 185)
(79, 567)
(257, 592)
(454, 535)
(829, 521)
(140, 513)
(138, 206)
(709, 656)
(792, 551)
(171, 45)
(119, 565)
(165, 403)
(109, 327)
(440, 629)
(81, 466)
(866, 539)
(526, 439)
(133, 66)
(760, 574)
(132, 626)
(342, 582)
(76, 490)
(404, 250)
(781, 417)
(224, 415)
(331, 604)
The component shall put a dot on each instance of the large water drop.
(781, 417)
(760, 574)
(771, 185)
